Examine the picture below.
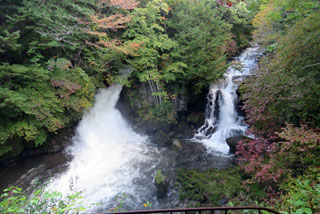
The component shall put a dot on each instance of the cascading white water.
(222, 120)
(109, 158)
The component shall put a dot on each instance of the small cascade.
(222, 120)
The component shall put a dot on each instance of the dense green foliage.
(42, 90)
(13, 200)
(288, 80)
(35, 100)
(185, 42)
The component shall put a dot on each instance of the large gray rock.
(177, 144)
(161, 138)
(233, 141)
(140, 96)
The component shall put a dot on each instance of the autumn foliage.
(123, 4)
(101, 24)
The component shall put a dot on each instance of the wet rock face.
(138, 98)
(162, 138)
(55, 143)
(196, 118)
(181, 100)
(233, 141)
(12, 156)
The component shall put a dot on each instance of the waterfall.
(109, 157)
(222, 120)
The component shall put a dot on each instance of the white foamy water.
(222, 120)
(109, 157)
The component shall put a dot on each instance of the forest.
(56, 55)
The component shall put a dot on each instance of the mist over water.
(222, 120)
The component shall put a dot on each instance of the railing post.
(225, 211)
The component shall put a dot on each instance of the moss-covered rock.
(209, 187)
(177, 144)
(161, 183)
(159, 178)
(217, 187)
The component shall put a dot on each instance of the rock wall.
(189, 108)
(54, 143)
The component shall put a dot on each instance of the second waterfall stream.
(222, 119)
(109, 158)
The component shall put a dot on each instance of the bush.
(13, 200)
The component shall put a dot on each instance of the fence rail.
(199, 210)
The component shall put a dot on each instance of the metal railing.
(199, 210)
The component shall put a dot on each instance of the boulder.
(177, 144)
(161, 138)
(233, 141)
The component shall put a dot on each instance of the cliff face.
(55, 143)
(137, 105)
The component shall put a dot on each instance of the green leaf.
(301, 203)
(304, 211)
